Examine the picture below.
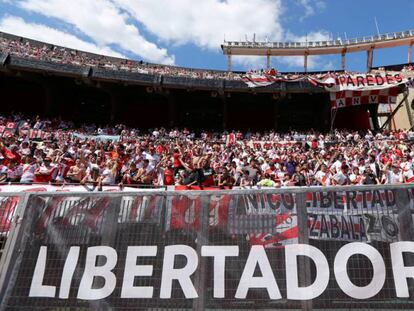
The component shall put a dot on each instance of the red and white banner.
(63, 188)
(255, 80)
(260, 80)
(357, 98)
(359, 82)
(333, 82)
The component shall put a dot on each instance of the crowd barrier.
(336, 248)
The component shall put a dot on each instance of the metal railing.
(315, 44)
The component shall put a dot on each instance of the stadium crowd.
(160, 157)
(50, 53)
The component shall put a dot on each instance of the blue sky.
(188, 32)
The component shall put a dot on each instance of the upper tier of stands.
(27, 48)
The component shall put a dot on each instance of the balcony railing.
(313, 44)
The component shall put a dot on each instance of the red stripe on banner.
(364, 100)
(356, 98)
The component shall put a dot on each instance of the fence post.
(202, 239)
(108, 234)
(303, 238)
(12, 238)
(406, 226)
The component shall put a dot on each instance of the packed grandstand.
(54, 151)
(50, 150)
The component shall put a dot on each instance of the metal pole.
(410, 53)
(202, 239)
(306, 62)
(229, 66)
(268, 61)
(12, 238)
(370, 57)
(405, 224)
(343, 60)
(303, 238)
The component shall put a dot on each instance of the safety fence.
(286, 249)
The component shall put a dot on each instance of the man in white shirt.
(342, 178)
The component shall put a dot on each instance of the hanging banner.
(357, 98)
(359, 82)
(334, 82)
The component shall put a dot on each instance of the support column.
(373, 113)
(268, 61)
(343, 59)
(229, 65)
(370, 56)
(305, 67)
(410, 53)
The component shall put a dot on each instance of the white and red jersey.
(46, 173)
(323, 178)
(394, 178)
(28, 172)
(341, 178)
(15, 172)
(409, 176)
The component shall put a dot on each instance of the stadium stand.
(52, 150)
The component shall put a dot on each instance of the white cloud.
(205, 23)
(17, 26)
(311, 36)
(314, 62)
(311, 7)
(103, 22)
(250, 62)
(177, 22)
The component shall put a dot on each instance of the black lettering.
(342, 80)
(370, 80)
(360, 81)
(376, 199)
(371, 220)
(389, 78)
(350, 198)
(362, 231)
(380, 80)
(262, 201)
(314, 199)
(355, 235)
(289, 202)
(344, 228)
(273, 205)
(338, 201)
(313, 219)
(334, 226)
(364, 198)
(324, 227)
(253, 201)
(326, 200)
(349, 81)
